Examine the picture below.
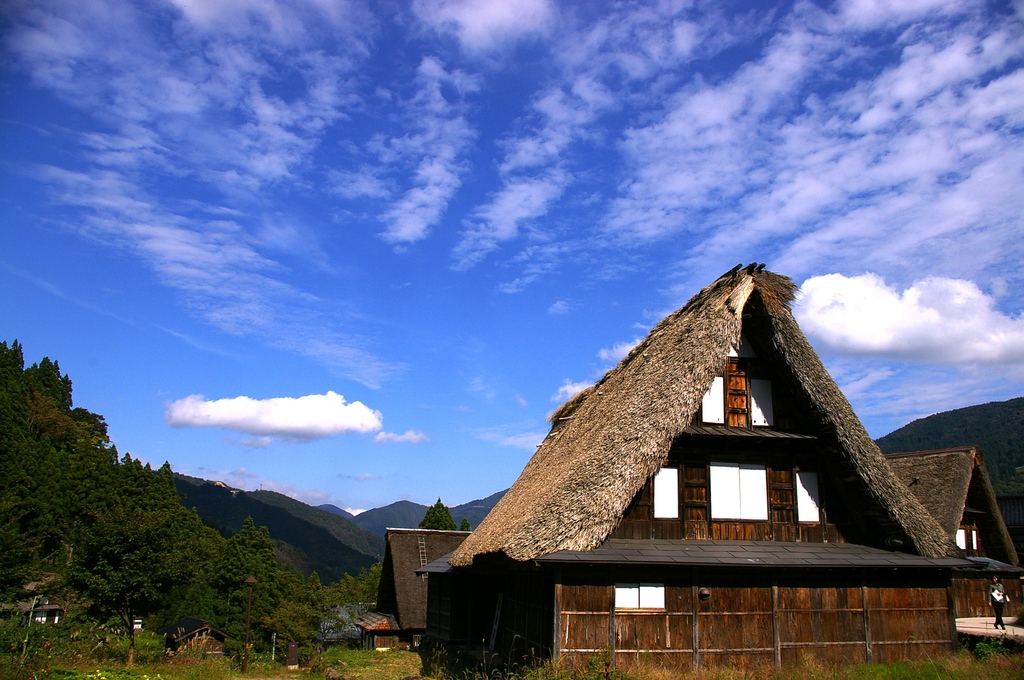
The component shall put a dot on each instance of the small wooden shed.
(713, 499)
(953, 484)
(378, 631)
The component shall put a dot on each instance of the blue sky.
(357, 252)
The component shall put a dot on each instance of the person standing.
(997, 598)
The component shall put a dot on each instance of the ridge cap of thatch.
(607, 440)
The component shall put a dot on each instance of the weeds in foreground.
(993, 660)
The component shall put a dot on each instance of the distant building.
(401, 612)
(194, 633)
(40, 610)
(953, 484)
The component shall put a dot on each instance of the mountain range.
(334, 542)
(324, 539)
(407, 515)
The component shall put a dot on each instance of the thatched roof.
(401, 592)
(950, 481)
(606, 441)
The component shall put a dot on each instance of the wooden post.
(556, 648)
(951, 603)
(611, 623)
(868, 656)
(696, 613)
(776, 636)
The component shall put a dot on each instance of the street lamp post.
(251, 581)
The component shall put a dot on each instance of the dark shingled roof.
(401, 592)
(1012, 510)
(191, 626)
(747, 554)
(950, 481)
(610, 438)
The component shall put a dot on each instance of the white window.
(739, 491)
(807, 496)
(961, 539)
(639, 596)
(713, 406)
(761, 413)
(666, 494)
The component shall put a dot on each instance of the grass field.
(349, 664)
(983, 660)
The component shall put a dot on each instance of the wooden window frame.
(639, 587)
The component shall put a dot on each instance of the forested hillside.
(997, 427)
(108, 539)
(309, 539)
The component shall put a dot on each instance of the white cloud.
(440, 135)
(559, 307)
(409, 437)
(199, 99)
(521, 440)
(618, 351)
(913, 158)
(314, 416)
(363, 477)
(520, 200)
(256, 442)
(483, 25)
(569, 389)
(355, 511)
(940, 320)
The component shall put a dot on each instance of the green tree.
(359, 589)
(464, 525)
(137, 549)
(438, 517)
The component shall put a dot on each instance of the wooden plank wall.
(970, 594)
(527, 616)
(786, 618)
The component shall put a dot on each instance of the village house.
(400, 617)
(954, 486)
(712, 499)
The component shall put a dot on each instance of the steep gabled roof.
(606, 441)
(402, 592)
(949, 481)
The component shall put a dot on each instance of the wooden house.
(192, 633)
(40, 610)
(954, 486)
(712, 499)
(402, 594)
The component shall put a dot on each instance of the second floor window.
(739, 491)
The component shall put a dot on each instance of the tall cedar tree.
(438, 517)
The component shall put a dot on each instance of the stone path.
(984, 626)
